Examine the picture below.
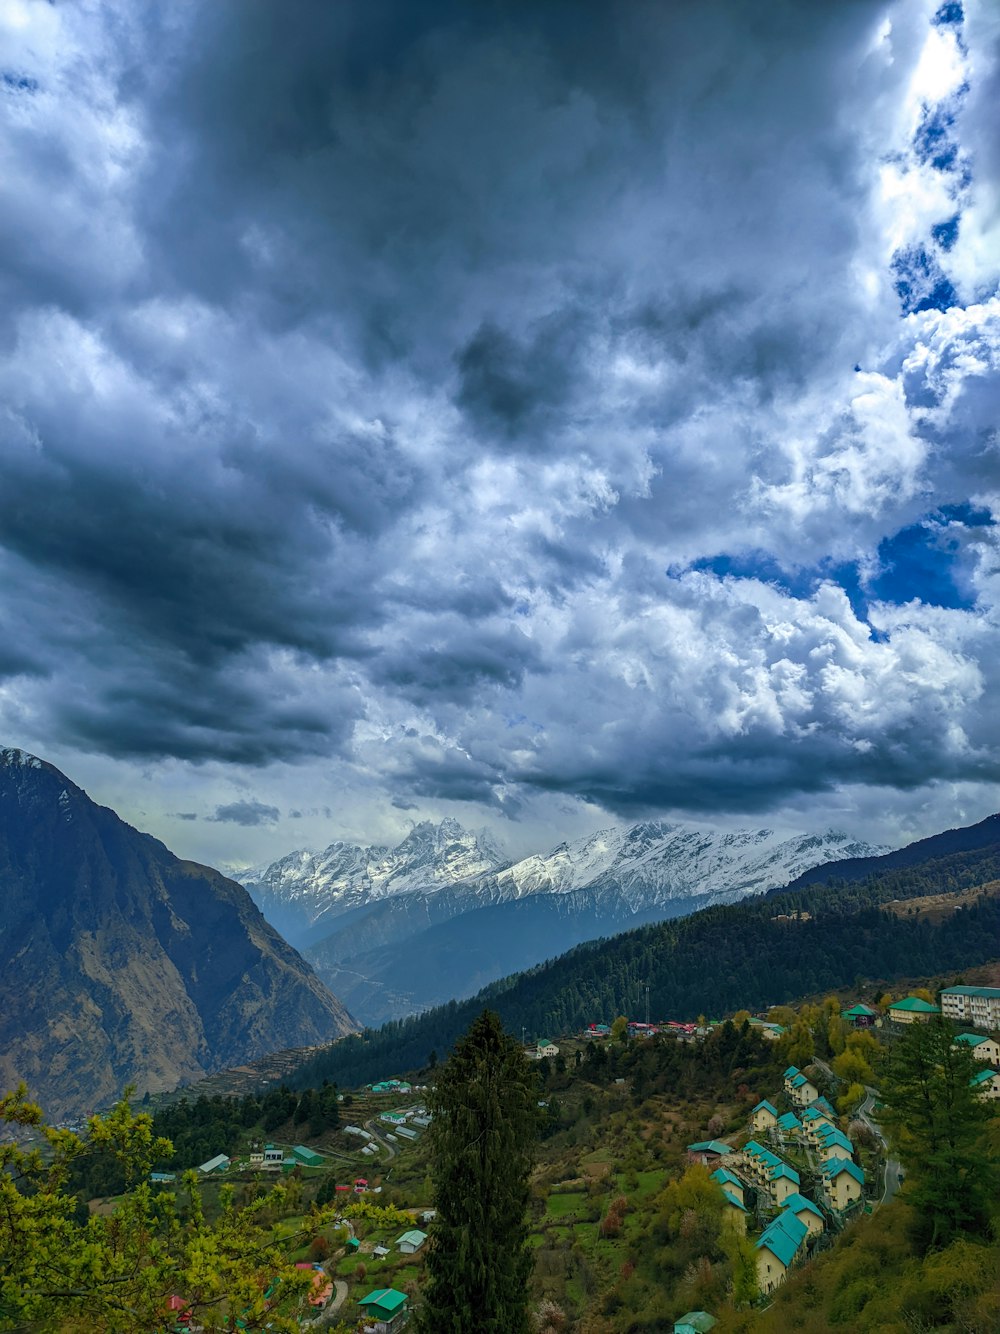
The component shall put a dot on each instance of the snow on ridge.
(12, 757)
(647, 864)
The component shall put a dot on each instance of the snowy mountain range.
(447, 898)
(303, 893)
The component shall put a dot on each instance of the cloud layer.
(502, 405)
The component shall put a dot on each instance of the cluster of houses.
(675, 1028)
(978, 1005)
(811, 1128)
(405, 1124)
(263, 1158)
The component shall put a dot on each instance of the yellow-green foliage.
(874, 1283)
(114, 1274)
(382, 1215)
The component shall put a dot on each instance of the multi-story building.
(979, 1006)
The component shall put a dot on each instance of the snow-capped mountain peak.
(646, 865)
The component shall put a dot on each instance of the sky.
(544, 415)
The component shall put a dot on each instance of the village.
(790, 1181)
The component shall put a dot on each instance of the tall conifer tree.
(940, 1128)
(482, 1141)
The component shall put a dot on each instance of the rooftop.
(783, 1170)
(799, 1202)
(914, 1005)
(783, 1237)
(836, 1166)
(992, 993)
(386, 1299)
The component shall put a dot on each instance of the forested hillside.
(752, 954)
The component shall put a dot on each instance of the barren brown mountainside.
(120, 963)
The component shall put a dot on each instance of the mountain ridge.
(120, 963)
(360, 928)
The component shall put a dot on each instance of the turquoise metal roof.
(914, 1005)
(970, 1040)
(766, 1106)
(733, 1200)
(709, 1146)
(789, 1122)
(838, 1165)
(796, 1203)
(783, 1170)
(783, 1237)
(722, 1174)
(790, 1072)
(981, 1078)
(991, 992)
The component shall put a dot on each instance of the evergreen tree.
(939, 1124)
(482, 1140)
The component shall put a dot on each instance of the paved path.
(376, 1131)
(893, 1172)
(328, 1312)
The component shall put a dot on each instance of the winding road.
(866, 1113)
(374, 1129)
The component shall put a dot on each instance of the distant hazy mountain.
(855, 866)
(441, 915)
(119, 963)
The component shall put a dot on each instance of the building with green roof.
(725, 1178)
(411, 1241)
(844, 1181)
(979, 1006)
(912, 1010)
(982, 1046)
(388, 1307)
(307, 1157)
(777, 1247)
(986, 1084)
(764, 1115)
(707, 1150)
(806, 1212)
(695, 1322)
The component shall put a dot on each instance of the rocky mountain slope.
(120, 964)
(441, 914)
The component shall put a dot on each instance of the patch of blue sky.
(929, 560)
(950, 13)
(19, 83)
(920, 282)
(933, 141)
(945, 233)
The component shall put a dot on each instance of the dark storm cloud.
(514, 389)
(365, 374)
(184, 815)
(246, 813)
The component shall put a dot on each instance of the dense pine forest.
(751, 954)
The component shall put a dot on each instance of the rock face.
(121, 964)
(442, 914)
